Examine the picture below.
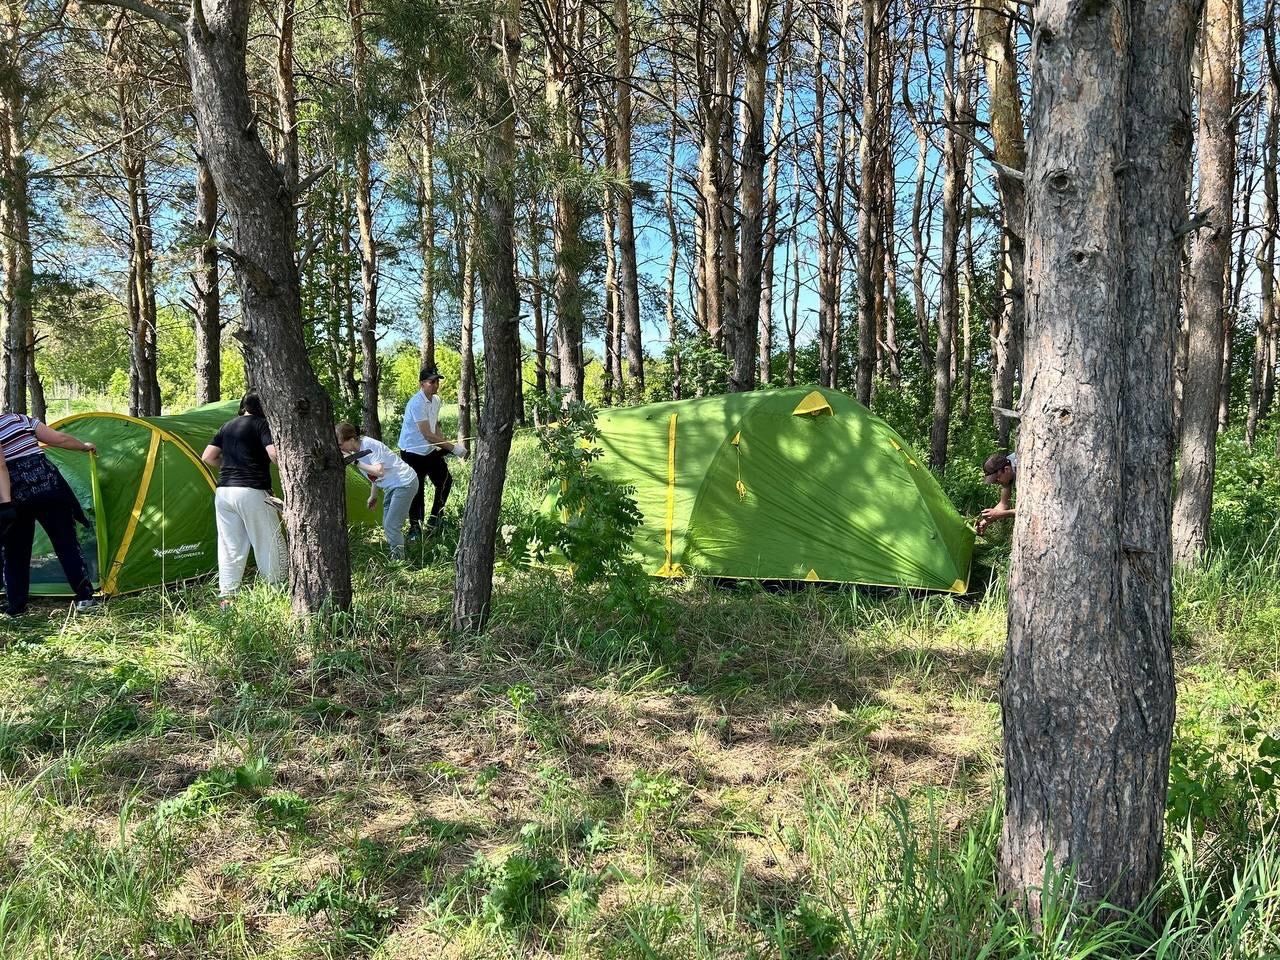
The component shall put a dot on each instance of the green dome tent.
(791, 484)
(149, 500)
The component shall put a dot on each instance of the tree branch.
(1193, 224)
(144, 10)
(312, 179)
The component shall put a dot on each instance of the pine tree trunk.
(19, 275)
(204, 278)
(427, 236)
(1088, 681)
(1265, 251)
(770, 242)
(467, 364)
(745, 345)
(828, 306)
(628, 269)
(996, 42)
(919, 239)
(870, 230)
(263, 234)
(35, 386)
(953, 189)
(368, 246)
(1209, 257)
(286, 94)
(474, 567)
(673, 228)
(612, 361)
(535, 296)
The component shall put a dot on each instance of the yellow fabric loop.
(109, 585)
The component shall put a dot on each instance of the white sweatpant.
(245, 520)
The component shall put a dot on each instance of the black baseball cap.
(428, 373)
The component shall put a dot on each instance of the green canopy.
(792, 484)
(149, 500)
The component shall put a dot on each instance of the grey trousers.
(395, 513)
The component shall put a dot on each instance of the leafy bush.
(1227, 785)
(597, 518)
(1246, 493)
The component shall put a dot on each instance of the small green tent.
(149, 500)
(791, 484)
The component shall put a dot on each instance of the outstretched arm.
(56, 438)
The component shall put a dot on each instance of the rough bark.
(35, 386)
(628, 270)
(1265, 251)
(204, 281)
(1088, 679)
(286, 94)
(770, 241)
(919, 238)
(364, 220)
(1205, 297)
(870, 229)
(19, 275)
(474, 567)
(263, 234)
(996, 43)
(144, 384)
(467, 359)
(744, 344)
(673, 227)
(535, 296)
(427, 236)
(953, 189)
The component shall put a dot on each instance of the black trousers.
(434, 468)
(40, 496)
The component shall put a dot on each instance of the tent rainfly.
(149, 500)
(789, 484)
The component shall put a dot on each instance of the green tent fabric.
(149, 500)
(792, 484)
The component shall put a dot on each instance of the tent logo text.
(186, 550)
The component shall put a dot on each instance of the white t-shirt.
(419, 408)
(398, 473)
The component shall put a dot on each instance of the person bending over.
(242, 452)
(388, 473)
(1001, 468)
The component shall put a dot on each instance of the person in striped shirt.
(40, 494)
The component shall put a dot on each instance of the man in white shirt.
(423, 448)
(1001, 468)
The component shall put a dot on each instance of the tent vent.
(813, 404)
(812, 575)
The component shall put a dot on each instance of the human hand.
(90, 447)
(373, 501)
(460, 450)
(982, 525)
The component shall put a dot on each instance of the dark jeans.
(41, 496)
(435, 469)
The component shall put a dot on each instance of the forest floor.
(740, 773)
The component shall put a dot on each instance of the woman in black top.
(40, 495)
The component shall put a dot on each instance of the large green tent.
(792, 484)
(149, 500)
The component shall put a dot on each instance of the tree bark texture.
(870, 229)
(1205, 296)
(19, 275)
(1265, 251)
(744, 344)
(1088, 679)
(204, 280)
(996, 43)
(263, 234)
(364, 220)
(474, 566)
(628, 269)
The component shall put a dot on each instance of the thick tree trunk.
(144, 392)
(474, 567)
(35, 386)
(870, 230)
(953, 189)
(628, 269)
(206, 294)
(1209, 258)
(612, 333)
(286, 94)
(1088, 679)
(263, 234)
(996, 43)
(744, 344)
(535, 296)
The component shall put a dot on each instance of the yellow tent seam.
(109, 585)
(668, 568)
(173, 438)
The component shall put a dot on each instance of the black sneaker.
(414, 534)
